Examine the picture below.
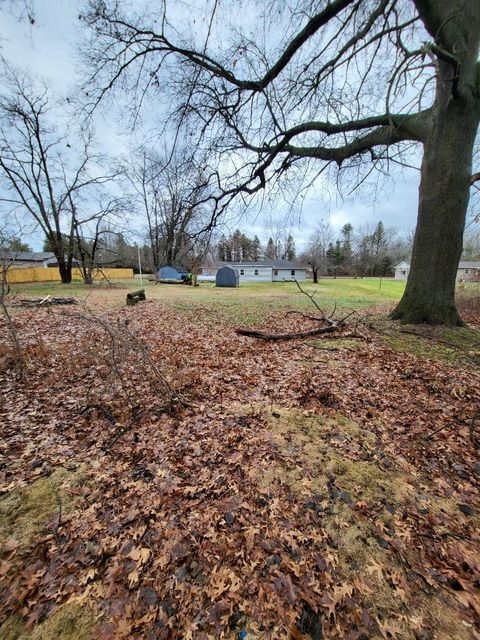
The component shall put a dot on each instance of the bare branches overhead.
(347, 84)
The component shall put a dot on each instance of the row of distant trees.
(239, 247)
(365, 251)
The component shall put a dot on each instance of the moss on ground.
(68, 622)
(27, 511)
(447, 344)
(331, 459)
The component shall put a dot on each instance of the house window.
(467, 271)
(256, 272)
(403, 272)
(242, 272)
(292, 272)
(275, 272)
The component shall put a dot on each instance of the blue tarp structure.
(227, 277)
(171, 273)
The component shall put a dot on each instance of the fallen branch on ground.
(286, 336)
(332, 324)
(42, 302)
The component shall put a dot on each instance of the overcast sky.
(48, 50)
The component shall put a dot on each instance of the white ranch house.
(265, 271)
(467, 270)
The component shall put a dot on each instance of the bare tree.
(89, 231)
(170, 190)
(350, 82)
(43, 172)
(316, 254)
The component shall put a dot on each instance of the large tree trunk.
(443, 200)
(65, 271)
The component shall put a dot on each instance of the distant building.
(264, 271)
(30, 258)
(33, 259)
(466, 271)
(402, 269)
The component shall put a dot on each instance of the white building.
(265, 271)
(467, 270)
(402, 269)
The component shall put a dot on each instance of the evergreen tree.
(236, 246)
(256, 249)
(347, 231)
(270, 250)
(379, 244)
(222, 248)
(335, 256)
(247, 247)
(290, 248)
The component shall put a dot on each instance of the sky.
(48, 49)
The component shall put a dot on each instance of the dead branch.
(287, 336)
(43, 302)
(311, 296)
(306, 315)
(332, 324)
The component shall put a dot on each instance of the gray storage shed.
(227, 277)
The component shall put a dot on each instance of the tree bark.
(65, 271)
(446, 171)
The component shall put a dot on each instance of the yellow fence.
(52, 274)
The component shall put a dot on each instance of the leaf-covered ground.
(321, 488)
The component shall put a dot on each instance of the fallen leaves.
(201, 522)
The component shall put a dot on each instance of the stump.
(135, 296)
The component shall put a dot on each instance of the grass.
(69, 622)
(263, 298)
(30, 510)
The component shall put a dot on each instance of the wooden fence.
(17, 275)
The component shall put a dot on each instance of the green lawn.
(248, 303)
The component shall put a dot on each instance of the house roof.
(30, 256)
(469, 264)
(273, 264)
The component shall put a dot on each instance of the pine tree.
(347, 231)
(290, 248)
(270, 250)
(335, 256)
(222, 248)
(256, 249)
